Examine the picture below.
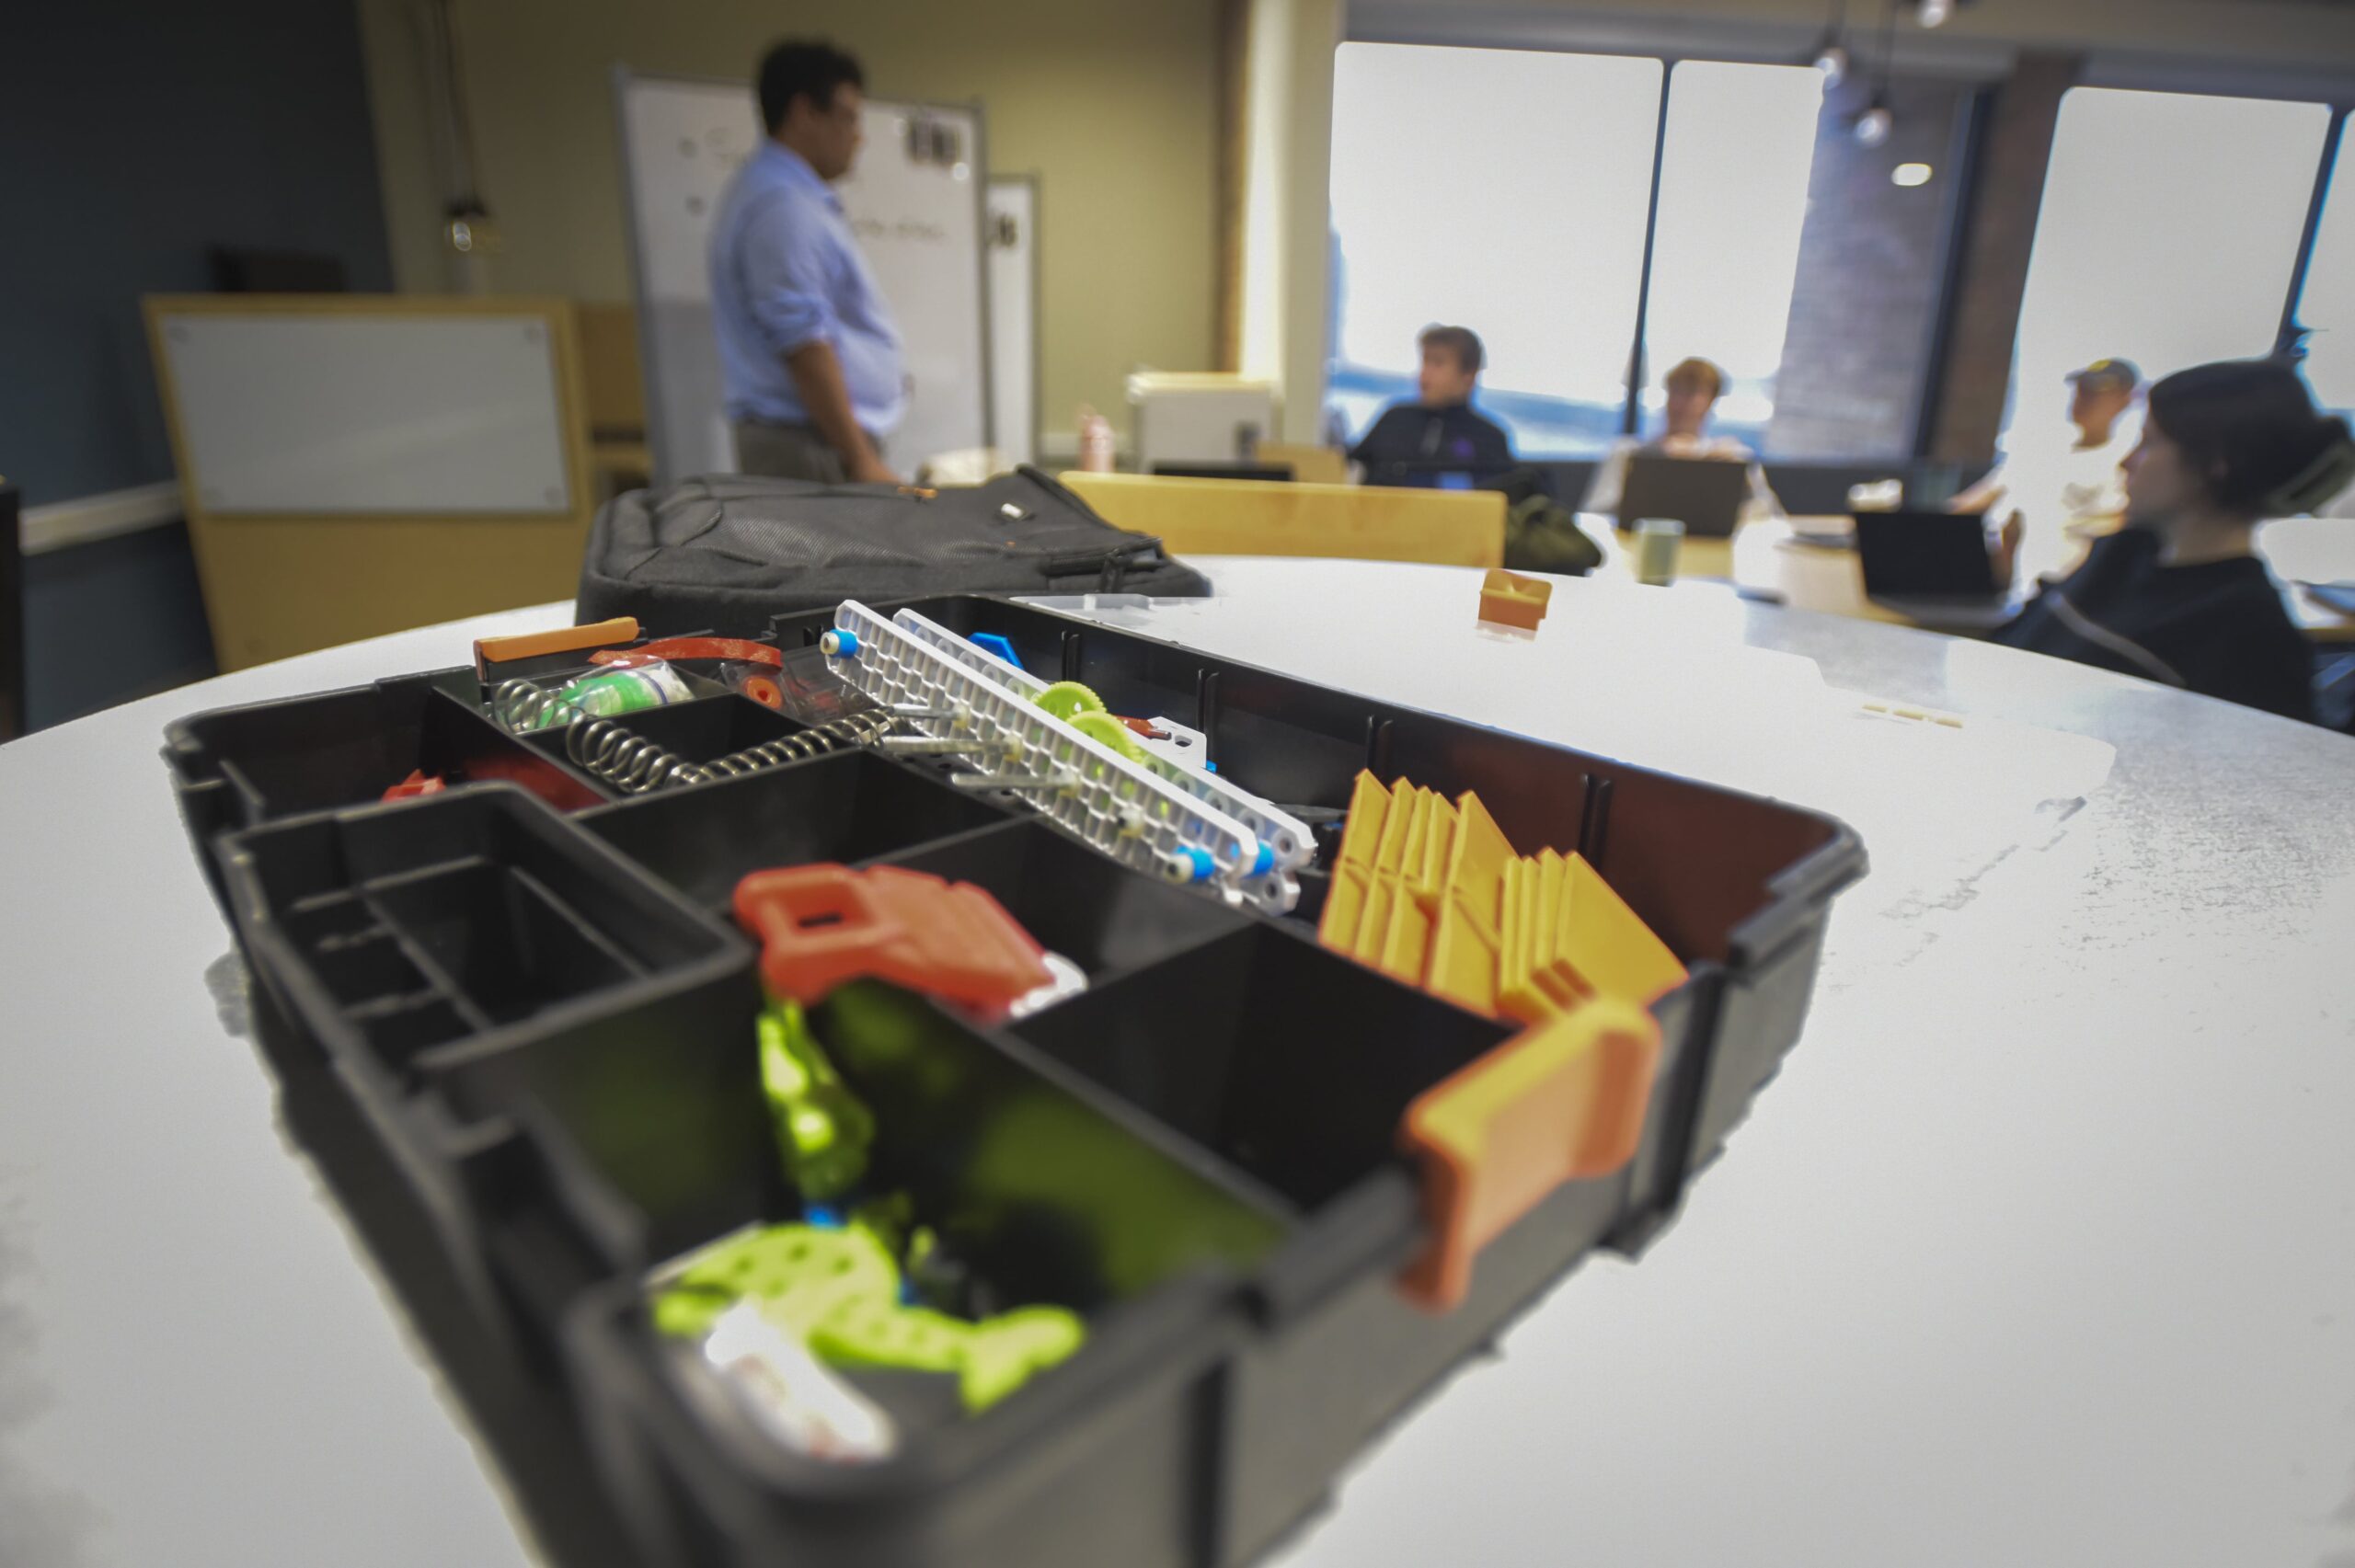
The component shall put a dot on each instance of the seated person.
(2067, 477)
(2175, 596)
(1694, 388)
(1412, 443)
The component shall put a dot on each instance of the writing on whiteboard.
(899, 229)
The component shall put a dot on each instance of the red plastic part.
(693, 648)
(821, 925)
(418, 783)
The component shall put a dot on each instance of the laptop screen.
(1705, 494)
(1917, 554)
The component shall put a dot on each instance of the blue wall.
(136, 134)
(133, 135)
(107, 622)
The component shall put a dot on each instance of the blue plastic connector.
(1203, 865)
(1265, 864)
(990, 642)
(839, 644)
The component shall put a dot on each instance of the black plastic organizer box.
(528, 991)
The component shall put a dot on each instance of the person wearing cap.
(2069, 479)
(2177, 596)
(1694, 387)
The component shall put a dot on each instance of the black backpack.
(724, 553)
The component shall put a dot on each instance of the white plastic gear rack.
(1122, 808)
(1286, 839)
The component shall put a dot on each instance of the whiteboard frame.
(648, 347)
(1038, 303)
(564, 355)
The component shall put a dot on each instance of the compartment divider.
(397, 1003)
(426, 964)
(620, 957)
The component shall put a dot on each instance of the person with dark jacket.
(2175, 596)
(1414, 443)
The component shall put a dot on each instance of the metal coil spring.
(859, 729)
(625, 759)
(609, 750)
(523, 708)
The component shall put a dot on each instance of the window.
(1505, 191)
(1508, 191)
(1733, 193)
(2328, 311)
(2167, 236)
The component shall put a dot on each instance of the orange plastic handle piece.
(564, 639)
(1562, 1102)
(821, 925)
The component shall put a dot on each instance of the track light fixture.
(1831, 55)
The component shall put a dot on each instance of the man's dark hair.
(797, 68)
(2249, 428)
(1460, 341)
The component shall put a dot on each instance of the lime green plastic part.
(1006, 1352)
(1106, 730)
(1067, 700)
(838, 1291)
(823, 1130)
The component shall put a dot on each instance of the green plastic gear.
(1066, 699)
(1106, 730)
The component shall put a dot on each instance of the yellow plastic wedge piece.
(1518, 993)
(1382, 887)
(1613, 953)
(1464, 956)
(1439, 842)
(1556, 979)
(1406, 947)
(1345, 901)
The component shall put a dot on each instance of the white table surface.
(2041, 1249)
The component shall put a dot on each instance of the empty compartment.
(1288, 1062)
(1101, 915)
(485, 899)
(497, 935)
(851, 806)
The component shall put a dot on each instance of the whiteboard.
(338, 413)
(1013, 238)
(914, 203)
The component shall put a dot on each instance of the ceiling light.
(1910, 175)
(1873, 126)
(1832, 60)
(1936, 13)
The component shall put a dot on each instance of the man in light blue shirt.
(809, 353)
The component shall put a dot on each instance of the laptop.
(1932, 567)
(1705, 494)
(1281, 472)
